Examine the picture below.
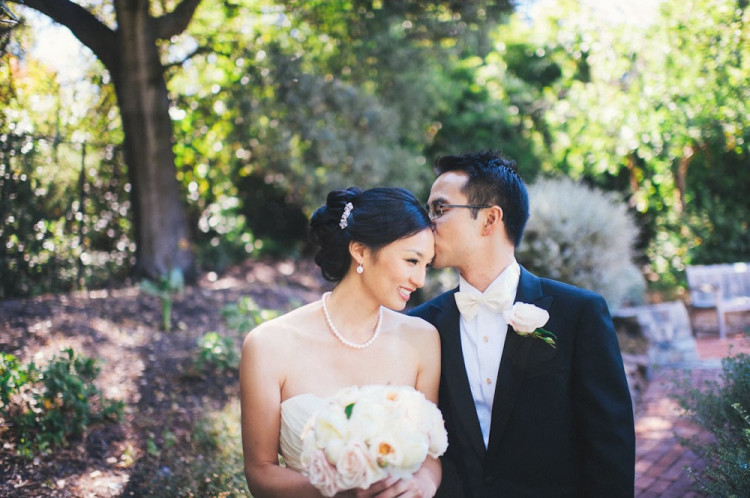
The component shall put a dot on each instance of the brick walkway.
(660, 458)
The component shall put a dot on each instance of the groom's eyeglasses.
(437, 209)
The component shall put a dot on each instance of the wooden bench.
(725, 287)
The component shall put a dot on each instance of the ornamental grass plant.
(584, 237)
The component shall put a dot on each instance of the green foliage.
(319, 95)
(275, 103)
(13, 377)
(245, 315)
(723, 408)
(46, 408)
(657, 110)
(715, 215)
(479, 111)
(584, 237)
(165, 289)
(216, 353)
(64, 207)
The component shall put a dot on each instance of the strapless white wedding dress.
(296, 412)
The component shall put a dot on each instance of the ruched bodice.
(296, 412)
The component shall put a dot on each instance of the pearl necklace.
(343, 340)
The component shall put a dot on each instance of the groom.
(524, 418)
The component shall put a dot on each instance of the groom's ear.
(493, 220)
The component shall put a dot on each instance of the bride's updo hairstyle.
(376, 218)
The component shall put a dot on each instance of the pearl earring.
(360, 269)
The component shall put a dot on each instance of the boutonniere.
(527, 320)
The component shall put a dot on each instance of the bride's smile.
(400, 266)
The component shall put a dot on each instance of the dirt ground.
(150, 370)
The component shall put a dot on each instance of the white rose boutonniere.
(527, 319)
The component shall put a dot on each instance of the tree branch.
(200, 50)
(5, 11)
(176, 21)
(83, 24)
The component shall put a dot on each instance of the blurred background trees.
(273, 103)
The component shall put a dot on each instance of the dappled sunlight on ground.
(153, 372)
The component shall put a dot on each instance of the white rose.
(322, 474)
(330, 424)
(525, 318)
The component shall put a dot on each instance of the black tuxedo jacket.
(562, 418)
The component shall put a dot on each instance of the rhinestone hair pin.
(345, 215)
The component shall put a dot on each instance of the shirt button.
(485, 339)
(489, 381)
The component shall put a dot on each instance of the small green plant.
(723, 408)
(216, 353)
(13, 376)
(165, 289)
(245, 315)
(54, 404)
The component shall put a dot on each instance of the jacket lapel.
(515, 359)
(454, 372)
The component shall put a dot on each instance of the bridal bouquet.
(365, 434)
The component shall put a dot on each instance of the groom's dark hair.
(493, 180)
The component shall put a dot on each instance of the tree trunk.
(162, 237)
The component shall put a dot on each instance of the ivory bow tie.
(468, 304)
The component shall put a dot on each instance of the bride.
(376, 244)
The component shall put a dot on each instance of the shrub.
(216, 353)
(723, 408)
(584, 237)
(245, 315)
(13, 376)
(53, 404)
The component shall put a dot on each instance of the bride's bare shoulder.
(411, 324)
(280, 329)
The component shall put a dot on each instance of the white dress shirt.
(483, 340)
